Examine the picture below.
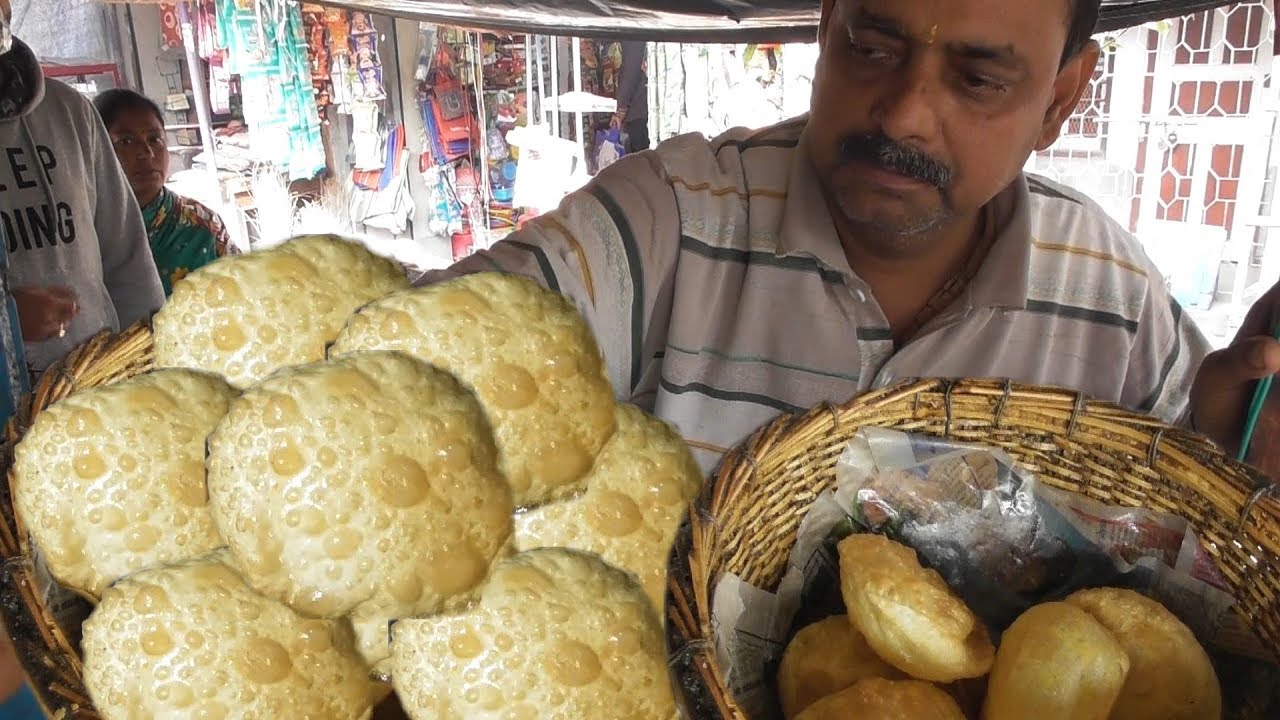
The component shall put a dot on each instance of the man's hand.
(1225, 384)
(45, 312)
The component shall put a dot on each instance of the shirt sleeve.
(128, 269)
(611, 247)
(1167, 352)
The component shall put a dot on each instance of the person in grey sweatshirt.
(79, 261)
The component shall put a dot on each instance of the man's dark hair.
(1084, 19)
(112, 103)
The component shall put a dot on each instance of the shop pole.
(201, 95)
(482, 115)
(555, 84)
(577, 87)
(529, 95)
(542, 85)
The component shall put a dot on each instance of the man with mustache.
(888, 234)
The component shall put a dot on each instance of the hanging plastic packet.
(609, 148)
(365, 57)
(498, 151)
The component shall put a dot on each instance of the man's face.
(923, 111)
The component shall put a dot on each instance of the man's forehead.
(1024, 25)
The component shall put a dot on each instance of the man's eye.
(982, 85)
(870, 53)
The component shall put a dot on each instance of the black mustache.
(881, 151)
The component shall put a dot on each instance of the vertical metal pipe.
(528, 79)
(576, 54)
(554, 44)
(201, 94)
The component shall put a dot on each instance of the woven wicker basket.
(746, 519)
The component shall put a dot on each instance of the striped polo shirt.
(717, 287)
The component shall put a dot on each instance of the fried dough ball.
(1170, 675)
(526, 352)
(558, 635)
(366, 486)
(192, 640)
(880, 699)
(1056, 663)
(823, 659)
(111, 480)
(637, 495)
(908, 614)
(246, 316)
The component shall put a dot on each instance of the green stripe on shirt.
(1078, 313)
(629, 246)
(729, 395)
(544, 263)
(761, 360)
(756, 257)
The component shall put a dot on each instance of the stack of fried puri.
(909, 648)
(371, 452)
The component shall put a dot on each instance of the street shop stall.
(305, 489)
(385, 128)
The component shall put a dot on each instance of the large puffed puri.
(637, 495)
(246, 316)
(1056, 663)
(367, 486)
(558, 635)
(881, 699)
(527, 353)
(908, 614)
(111, 480)
(823, 659)
(191, 640)
(1170, 675)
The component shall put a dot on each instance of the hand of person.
(1224, 386)
(45, 312)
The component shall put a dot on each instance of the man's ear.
(1073, 80)
(828, 7)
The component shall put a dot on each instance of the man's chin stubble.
(901, 233)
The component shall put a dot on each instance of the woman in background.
(184, 234)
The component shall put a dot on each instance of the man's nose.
(907, 110)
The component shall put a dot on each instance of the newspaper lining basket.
(746, 518)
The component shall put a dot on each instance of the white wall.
(66, 31)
